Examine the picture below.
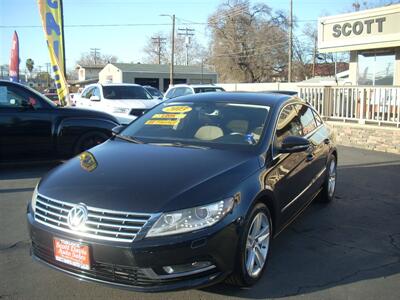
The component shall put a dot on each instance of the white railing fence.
(364, 104)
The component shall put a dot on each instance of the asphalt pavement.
(348, 249)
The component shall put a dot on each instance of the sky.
(125, 42)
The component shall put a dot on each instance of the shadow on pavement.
(355, 238)
(26, 170)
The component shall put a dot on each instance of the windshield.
(118, 92)
(208, 89)
(205, 123)
(154, 92)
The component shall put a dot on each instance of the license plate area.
(71, 253)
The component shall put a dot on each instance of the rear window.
(208, 89)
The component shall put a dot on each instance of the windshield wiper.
(129, 139)
(181, 145)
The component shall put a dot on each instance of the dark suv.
(189, 194)
(33, 127)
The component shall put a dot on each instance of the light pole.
(171, 69)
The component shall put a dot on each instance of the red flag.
(14, 59)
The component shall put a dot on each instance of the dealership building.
(373, 39)
(155, 75)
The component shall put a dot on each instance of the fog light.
(168, 269)
(194, 266)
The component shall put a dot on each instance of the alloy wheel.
(257, 244)
(332, 178)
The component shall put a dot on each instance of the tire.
(89, 140)
(329, 186)
(242, 275)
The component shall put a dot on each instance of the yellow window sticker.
(169, 116)
(163, 122)
(177, 109)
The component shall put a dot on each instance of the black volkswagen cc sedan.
(189, 194)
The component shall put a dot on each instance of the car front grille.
(111, 273)
(101, 223)
(137, 112)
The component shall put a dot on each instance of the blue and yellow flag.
(50, 11)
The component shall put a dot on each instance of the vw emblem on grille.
(77, 216)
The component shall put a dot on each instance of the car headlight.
(121, 110)
(191, 219)
(34, 197)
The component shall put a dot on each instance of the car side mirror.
(94, 98)
(118, 129)
(292, 144)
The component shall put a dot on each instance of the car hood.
(136, 103)
(85, 113)
(124, 176)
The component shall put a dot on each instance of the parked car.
(125, 101)
(179, 90)
(33, 127)
(154, 92)
(188, 195)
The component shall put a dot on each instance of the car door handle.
(310, 157)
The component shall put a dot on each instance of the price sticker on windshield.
(169, 116)
(177, 109)
(163, 122)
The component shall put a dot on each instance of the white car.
(178, 90)
(124, 101)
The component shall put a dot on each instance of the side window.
(288, 124)
(17, 97)
(87, 93)
(306, 118)
(170, 94)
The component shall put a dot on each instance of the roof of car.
(236, 97)
(195, 85)
(112, 84)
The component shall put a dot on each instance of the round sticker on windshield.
(177, 109)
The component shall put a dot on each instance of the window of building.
(376, 68)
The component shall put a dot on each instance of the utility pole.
(314, 55)
(290, 41)
(171, 69)
(171, 75)
(187, 33)
(159, 42)
(48, 74)
(95, 51)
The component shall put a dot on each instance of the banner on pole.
(14, 59)
(51, 14)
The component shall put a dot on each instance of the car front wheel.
(254, 247)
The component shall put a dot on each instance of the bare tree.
(88, 59)
(367, 4)
(248, 42)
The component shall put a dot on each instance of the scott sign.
(363, 30)
(358, 27)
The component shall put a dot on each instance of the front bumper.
(139, 265)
